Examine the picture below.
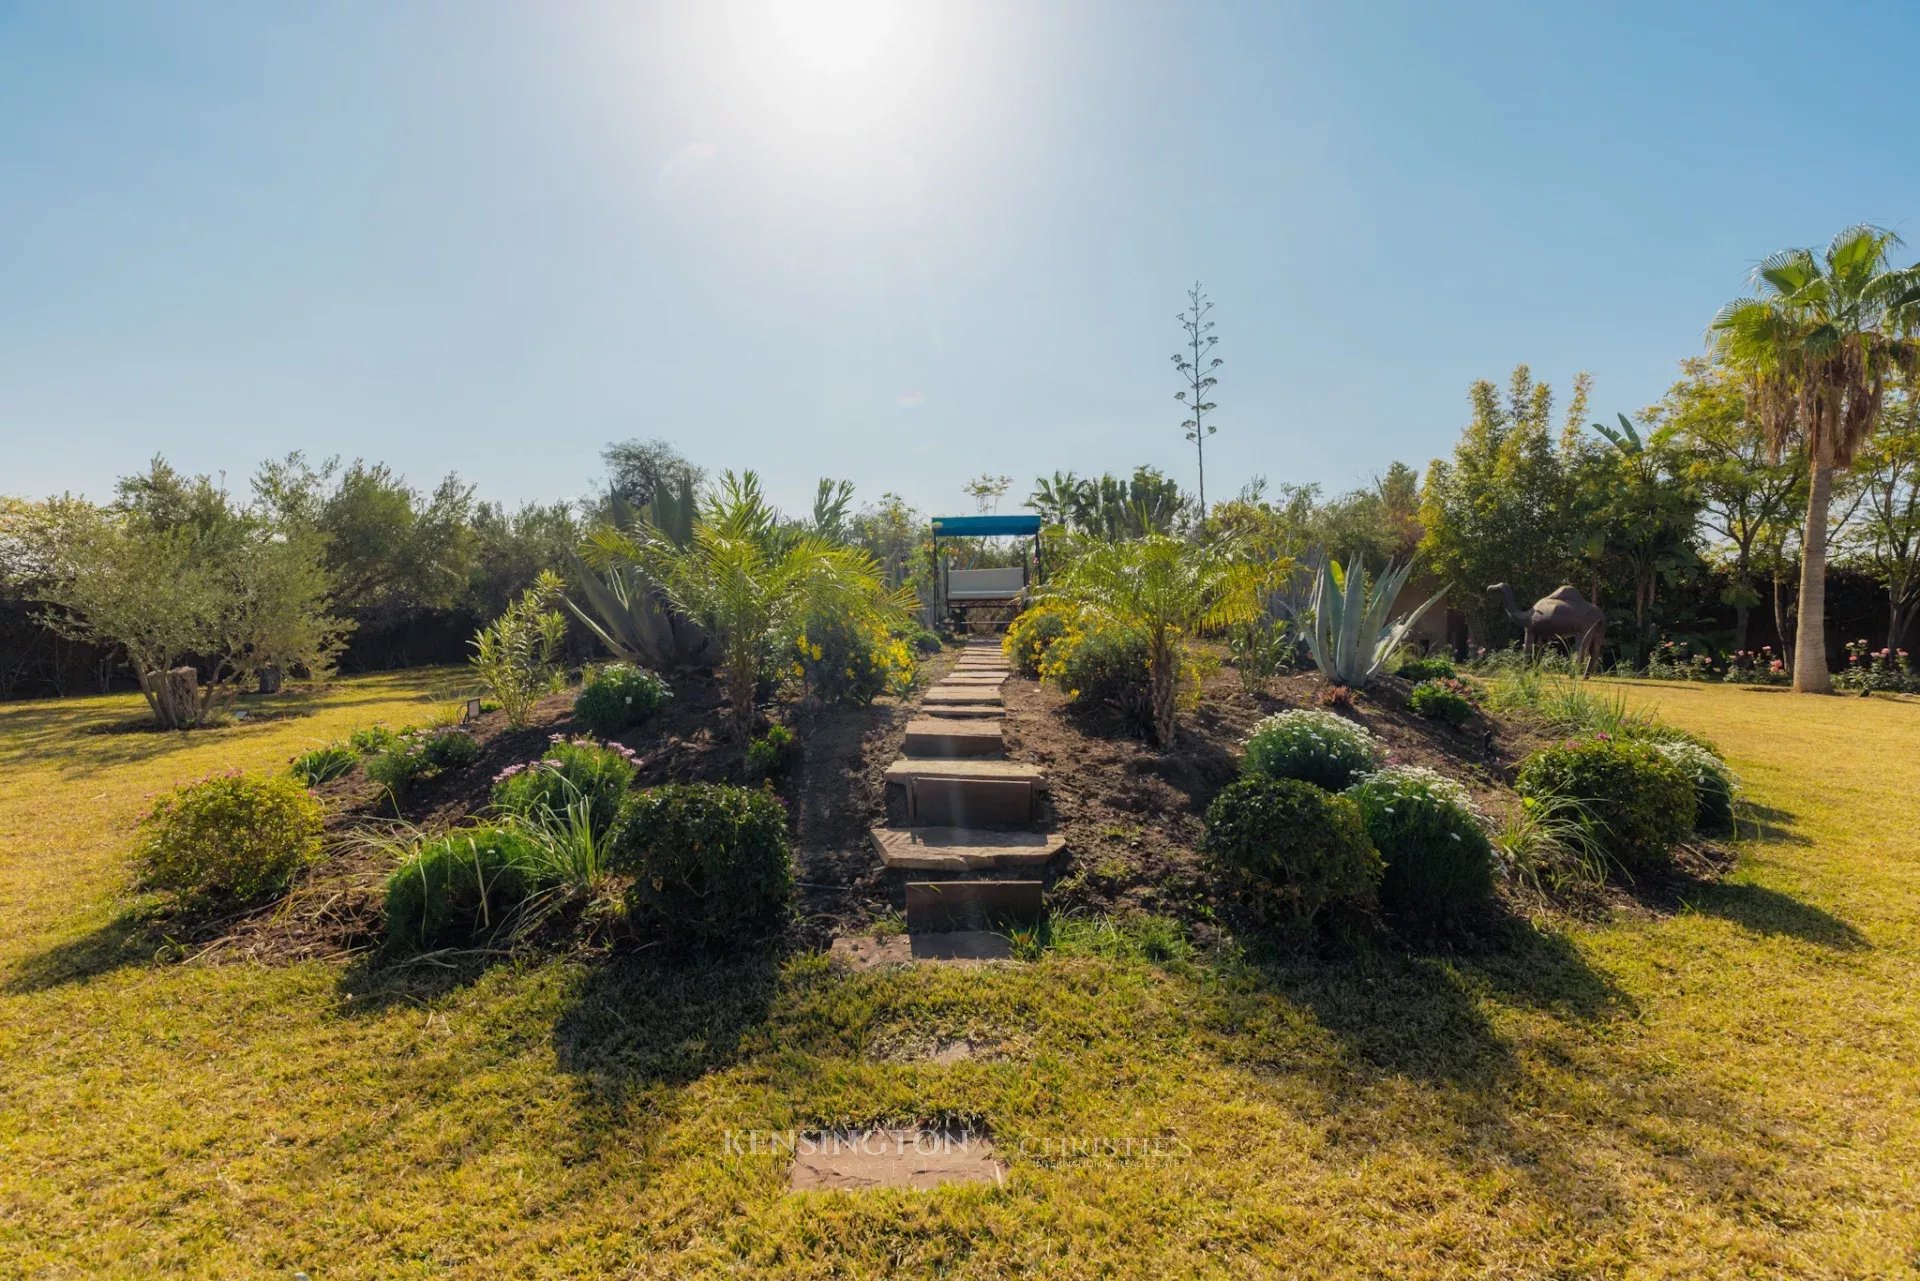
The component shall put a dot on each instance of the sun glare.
(835, 66)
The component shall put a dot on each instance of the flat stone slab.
(1000, 804)
(972, 905)
(966, 711)
(849, 1161)
(948, 738)
(956, 947)
(905, 768)
(952, 695)
(962, 849)
(971, 678)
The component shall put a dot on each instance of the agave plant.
(626, 609)
(1349, 635)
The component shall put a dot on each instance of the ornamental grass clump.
(1431, 839)
(1287, 849)
(323, 764)
(574, 771)
(1316, 747)
(462, 886)
(1642, 803)
(234, 837)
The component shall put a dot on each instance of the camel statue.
(1562, 612)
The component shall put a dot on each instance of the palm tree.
(1820, 342)
(1167, 589)
(753, 582)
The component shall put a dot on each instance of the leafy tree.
(1747, 498)
(1195, 365)
(1886, 535)
(753, 583)
(832, 507)
(987, 490)
(1057, 499)
(1507, 507)
(640, 469)
(511, 548)
(1168, 589)
(1644, 517)
(1819, 344)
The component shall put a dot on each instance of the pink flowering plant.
(574, 773)
(1887, 668)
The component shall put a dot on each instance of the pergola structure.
(962, 591)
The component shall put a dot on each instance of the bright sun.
(834, 66)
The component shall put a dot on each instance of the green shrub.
(460, 886)
(400, 764)
(1642, 802)
(1288, 848)
(1108, 667)
(1313, 746)
(573, 770)
(1030, 635)
(234, 837)
(372, 740)
(918, 638)
(617, 697)
(1714, 785)
(449, 749)
(848, 660)
(1431, 667)
(771, 753)
(1442, 699)
(710, 863)
(1260, 650)
(323, 764)
(1438, 860)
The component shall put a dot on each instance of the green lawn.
(1726, 1089)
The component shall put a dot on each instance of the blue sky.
(900, 244)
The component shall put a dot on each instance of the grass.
(1720, 1090)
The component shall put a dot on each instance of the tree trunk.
(1162, 672)
(175, 696)
(1740, 626)
(1810, 675)
(271, 677)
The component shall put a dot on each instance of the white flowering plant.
(1313, 746)
(1432, 838)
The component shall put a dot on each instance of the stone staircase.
(970, 812)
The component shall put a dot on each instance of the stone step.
(952, 695)
(904, 768)
(960, 849)
(947, 738)
(985, 680)
(943, 801)
(966, 712)
(972, 905)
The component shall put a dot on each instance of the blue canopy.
(985, 526)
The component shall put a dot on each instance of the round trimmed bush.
(460, 886)
(710, 863)
(323, 764)
(1442, 699)
(1288, 848)
(1714, 785)
(1315, 747)
(1643, 802)
(449, 749)
(1432, 667)
(619, 696)
(574, 769)
(1438, 860)
(235, 837)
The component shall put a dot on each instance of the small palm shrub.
(852, 660)
(1431, 667)
(234, 837)
(1641, 802)
(574, 770)
(1031, 634)
(1714, 785)
(771, 753)
(1439, 862)
(1105, 666)
(1442, 699)
(1287, 848)
(617, 697)
(461, 886)
(710, 863)
(323, 764)
(1313, 746)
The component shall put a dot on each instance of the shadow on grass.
(1769, 824)
(1769, 912)
(131, 938)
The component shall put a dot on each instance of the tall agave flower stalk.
(1350, 638)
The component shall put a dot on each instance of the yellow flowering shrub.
(850, 660)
